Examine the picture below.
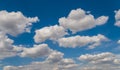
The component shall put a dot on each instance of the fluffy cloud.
(79, 41)
(40, 50)
(101, 61)
(52, 33)
(79, 20)
(15, 23)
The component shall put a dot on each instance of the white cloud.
(40, 50)
(15, 23)
(52, 33)
(79, 41)
(79, 20)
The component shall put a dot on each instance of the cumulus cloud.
(52, 33)
(80, 20)
(79, 41)
(40, 50)
(15, 23)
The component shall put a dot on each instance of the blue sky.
(95, 23)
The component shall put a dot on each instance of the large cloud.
(52, 33)
(79, 41)
(79, 20)
(15, 23)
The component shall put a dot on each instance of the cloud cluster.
(77, 20)
(79, 41)
(15, 23)
(80, 20)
